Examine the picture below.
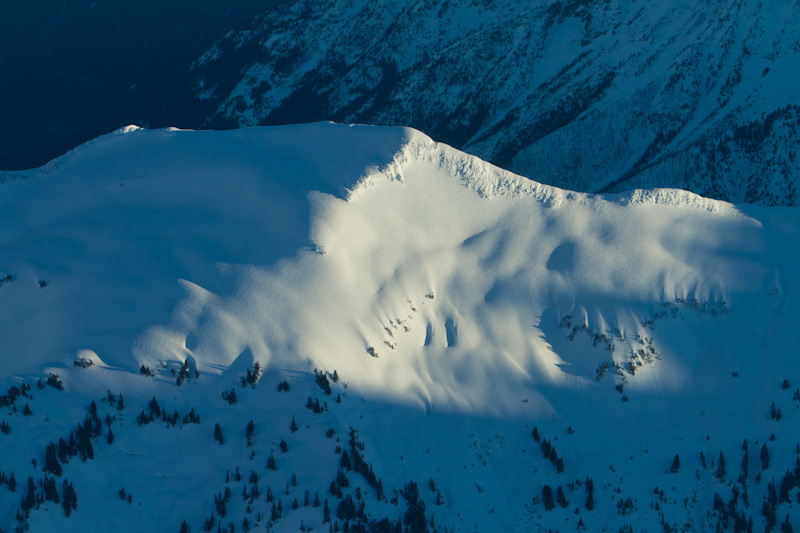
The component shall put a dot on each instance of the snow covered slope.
(436, 305)
(588, 95)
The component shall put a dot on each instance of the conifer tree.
(786, 527)
(745, 461)
(415, 512)
(547, 498)
(561, 497)
(721, 466)
(589, 495)
(251, 427)
(676, 465)
(69, 501)
(51, 463)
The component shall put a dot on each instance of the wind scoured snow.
(447, 292)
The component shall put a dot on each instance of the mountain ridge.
(591, 96)
(283, 302)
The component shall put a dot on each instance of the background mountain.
(440, 343)
(68, 65)
(592, 95)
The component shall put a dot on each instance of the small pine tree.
(589, 494)
(745, 461)
(184, 527)
(535, 433)
(764, 457)
(344, 461)
(561, 497)
(786, 527)
(326, 513)
(721, 466)
(218, 434)
(69, 501)
(249, 432)
(676, 465)
(231, 397)
(293, 425)
(547, 498)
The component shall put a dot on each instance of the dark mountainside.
(67, 66)
(587, 95)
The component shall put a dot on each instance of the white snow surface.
(490, 300)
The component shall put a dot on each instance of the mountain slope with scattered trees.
(338, 328)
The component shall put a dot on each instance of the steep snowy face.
(591, 96)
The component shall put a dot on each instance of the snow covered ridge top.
(126, 129)
(410, 146)
(490, 181)
(486, 179)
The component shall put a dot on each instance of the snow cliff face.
(408, 304)
(585, 95)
